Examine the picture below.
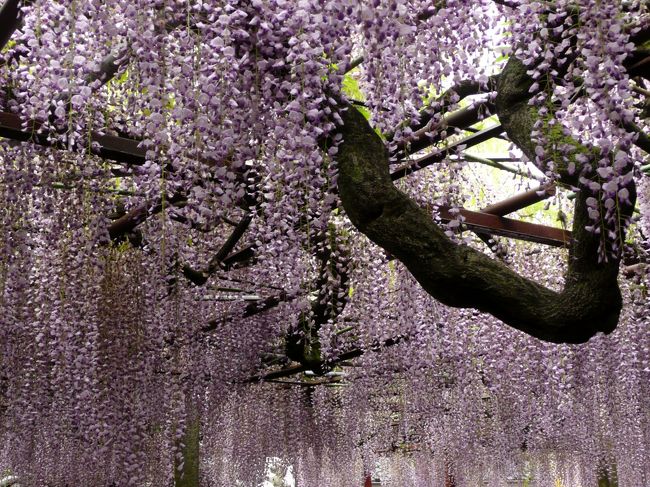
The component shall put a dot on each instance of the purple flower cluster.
(108, 353)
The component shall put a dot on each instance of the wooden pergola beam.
(119, 149)
(126, 151)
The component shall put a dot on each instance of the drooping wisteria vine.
(130, 315)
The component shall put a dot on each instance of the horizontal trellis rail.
(127, 151)
(491, 224)
(111, 147)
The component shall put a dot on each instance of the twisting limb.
(458, 275)
(303, 342)
(10, 20)
(461, 118)
(129, 221)
(199, 278)
(642, 140)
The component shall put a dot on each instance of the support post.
(189, 475)
(607, 477)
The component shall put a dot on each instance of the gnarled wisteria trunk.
(235, 238)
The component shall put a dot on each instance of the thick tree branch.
(10, 19)
(642, 140)
(199, 278)
(129, 221)
(460, 276)
(331, 288)
(421, 136)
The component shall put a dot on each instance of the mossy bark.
(458, 275)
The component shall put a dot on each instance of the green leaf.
(123, 77)
(351, 88)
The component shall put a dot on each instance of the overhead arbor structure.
(235, 231)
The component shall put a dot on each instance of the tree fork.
(460, 276)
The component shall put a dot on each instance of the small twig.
(494, 164)
(641, 91)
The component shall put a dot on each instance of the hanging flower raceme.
(143, 295)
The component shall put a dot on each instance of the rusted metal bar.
(520, 201)
(439, 156)
(515, 203)
(497, 225)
